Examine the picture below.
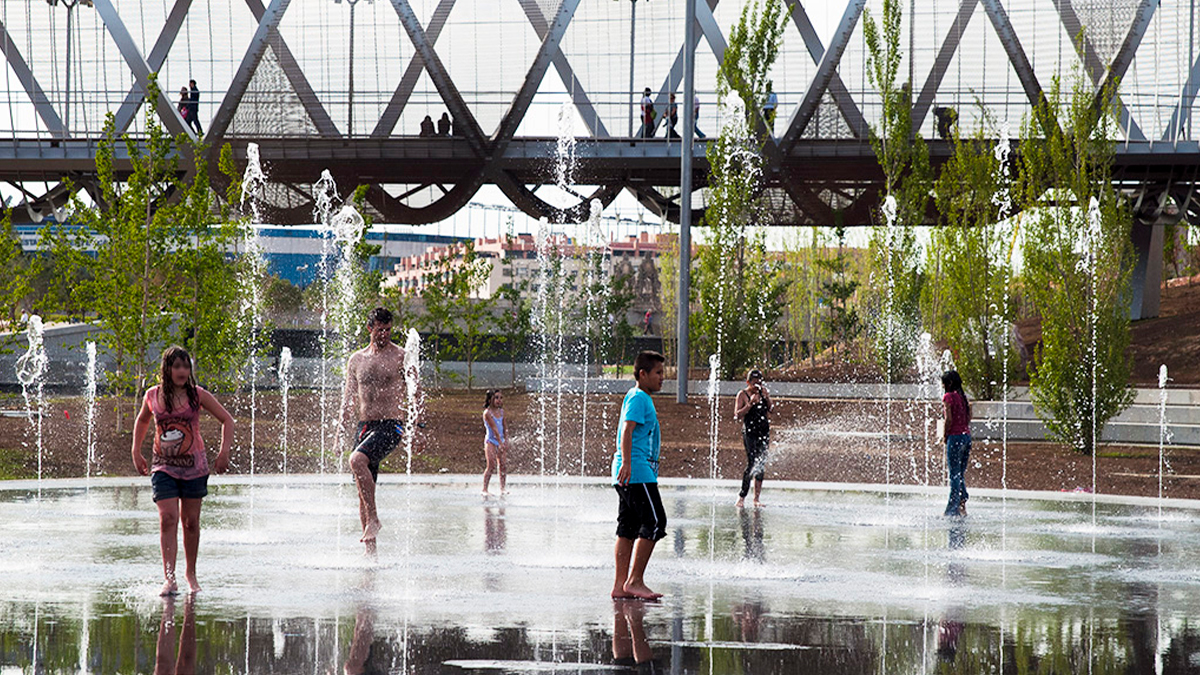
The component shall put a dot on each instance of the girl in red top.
(179, 470)
(957, 412)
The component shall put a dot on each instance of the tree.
(15, 286)
(841, 318)
(967, 294)
(1078, 261)
(450, 305)
(738, 286)
(894, 299)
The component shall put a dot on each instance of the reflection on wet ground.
(823, 580)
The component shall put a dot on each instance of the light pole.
(632, 90)
(685, 199)
(350, 90)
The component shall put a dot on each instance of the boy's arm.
(626, 451)
(349, 402)
(739, 409)
(139, 435)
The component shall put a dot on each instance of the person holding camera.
(752, 407)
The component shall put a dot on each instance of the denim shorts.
(166, 486)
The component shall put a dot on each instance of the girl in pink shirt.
(957, 412)
(179, 469)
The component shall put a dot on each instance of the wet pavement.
(824, 579)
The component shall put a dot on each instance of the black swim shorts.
(640, 514)
(166, 486)
(377, 439)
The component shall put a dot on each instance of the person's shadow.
(752, 534)
(630, 648)
(359, 654)
(166, 660)
(495, 529)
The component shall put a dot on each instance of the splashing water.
(1164, 434)
(285, 385)
(714, 390)
(31, 373)
(412, 381)
(597, 295)
(90, 394)
(325, 197)
(254, 183)
(564, 168)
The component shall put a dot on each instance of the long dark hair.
(952, 381)
(170, 356)
(487, 401)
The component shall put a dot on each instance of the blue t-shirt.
(643, 453)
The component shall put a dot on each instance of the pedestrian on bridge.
(427, 127)
(444, 125)
(648, 115)
(185, 105)
(193, 118)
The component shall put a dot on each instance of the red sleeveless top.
(178, 448)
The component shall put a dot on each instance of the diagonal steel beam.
(141, 70)
(463, 118)
(408, 82)
(716, 41)
(925, 99)
(824, 75)
(841, 96)
(295, 75)
(1187, 98)
(1012, 47)
(1122, 60)
(578, 96)
(533, 78)
(156, 58)
(1092, 62)
(43, 106)
(268, 21)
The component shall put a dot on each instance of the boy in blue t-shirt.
(641, 520)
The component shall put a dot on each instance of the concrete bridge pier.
(1146, 280)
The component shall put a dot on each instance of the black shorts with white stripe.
(640, 514)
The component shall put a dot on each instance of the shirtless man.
(375, 391)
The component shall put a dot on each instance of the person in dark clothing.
(443, 127)
(648, 115)
(956, 431)
(427, 126)
(193, 118)
(752, 407)
(672, 117)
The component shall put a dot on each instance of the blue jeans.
(958, 451)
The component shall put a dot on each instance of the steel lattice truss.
(820, 168)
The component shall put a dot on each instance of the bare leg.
(189, 515)
(366, 495)
(489, 456)
(757, 492)
(622, 551)
(635, 585)
(502, 461)
(168, 541)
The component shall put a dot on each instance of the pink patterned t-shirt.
(178, 448)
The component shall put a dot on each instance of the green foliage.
(841, 320)
(738, 285)
(1078, 260)
(894, 294)
(451, 306)
(753, 48)
(968, 267)
(16, 284)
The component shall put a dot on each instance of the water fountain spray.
(285, 384)
(412, 375)
(541, 321)
(90, 394)
(31, 373)
(1163, 432)
(597, 294)
(325, 197)
(254, 182)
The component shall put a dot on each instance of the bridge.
(343, 85)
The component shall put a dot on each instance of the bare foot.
(485, 494)
(618, 593)
(193, 583)
(741, 502)
(371, 530)
(757, 504)
(169, 588)
(641, 591)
